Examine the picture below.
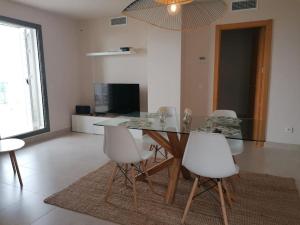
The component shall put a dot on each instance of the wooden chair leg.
(147, 176)
(148, 161)
(111, 180)
(12, 162)
(234, 160)
(126, 171)
(231, 181)
(227, 192)
(223, 207)
(166, 153)
(17, 167)
(133, 174)
(157, 148)
(189, 202)
(231, 185)
(151, 148)
(155, 154)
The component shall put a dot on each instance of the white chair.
(236, 146)
(121, 148)
(187, 115)
(208, 155)
(170, 111)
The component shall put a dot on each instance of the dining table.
(171, 132)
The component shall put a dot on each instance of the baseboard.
(47, 136)
(282, 146)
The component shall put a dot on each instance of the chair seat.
(236, 146)
(145, 155)
(142, 144)
(147, 139)
(144, 149)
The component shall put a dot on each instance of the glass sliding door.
(23, 96)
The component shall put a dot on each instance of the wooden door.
(262, 72)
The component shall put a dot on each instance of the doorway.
(242, 65)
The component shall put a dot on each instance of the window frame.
(39, 38)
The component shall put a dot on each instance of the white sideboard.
(85, 124)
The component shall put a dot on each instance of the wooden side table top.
(12, 144)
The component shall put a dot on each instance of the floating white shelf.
(109, 53)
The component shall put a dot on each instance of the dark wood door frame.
(262, 74)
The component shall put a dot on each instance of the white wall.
(98, 35)
(60, 40)
(284, 106)
(156, 66)
(195, 81)
(164, 68)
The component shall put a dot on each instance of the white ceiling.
(80, 9)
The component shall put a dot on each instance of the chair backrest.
(208, 155)
(225, 113)
(120, 146)
(170, 110)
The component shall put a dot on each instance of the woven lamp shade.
(190, 16)
(168, 2)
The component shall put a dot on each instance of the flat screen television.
(117, 98)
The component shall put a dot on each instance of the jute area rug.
(260, 200)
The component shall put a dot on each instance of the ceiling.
(80, 9)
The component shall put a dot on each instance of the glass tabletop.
(233, 128)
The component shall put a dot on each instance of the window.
(23, 95)
(3, 98)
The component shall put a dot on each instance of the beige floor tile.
(28, 208)
(7, 175)
(65, 217)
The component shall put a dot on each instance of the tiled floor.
(52, 165)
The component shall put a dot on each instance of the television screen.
(117, 98)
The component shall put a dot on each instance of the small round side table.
(10, 146)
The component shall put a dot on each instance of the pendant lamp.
(176, 14)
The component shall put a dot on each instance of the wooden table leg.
(17, 167)
(12, 162)
(156, 168)
(173, 180)
(176, 146)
